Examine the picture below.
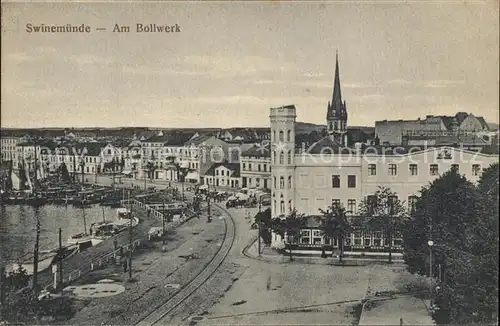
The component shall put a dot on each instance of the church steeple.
(337, 111)
(337, 94)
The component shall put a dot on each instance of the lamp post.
(145, 179)
(430, 243)
(209, 219)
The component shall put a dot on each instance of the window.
(377, 239)
(258, 167)
(434, 169)
(290, 205)
(282, 155)
(351, 206)
(249, 166)
(305, 236)
(412, 200)
(476, 169)
(391, 201)
(216, 172)
(413, 169)
(456, 167)
(275, 205)
(281, 135)
(274, 157)
(351, 181)
(289, 157)
(368, 239)
(288, 135)
(336, 202)
(274, 135)
(282, 207)
(289, 181)
(274, 182)
(244, 166)
(372, 169)
(357, 238)
(282, 182)
(393, 170)
(335, 181)
(317, 237)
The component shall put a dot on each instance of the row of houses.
(176, 156)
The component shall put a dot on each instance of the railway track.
(187, 290)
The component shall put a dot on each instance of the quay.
(93, 257)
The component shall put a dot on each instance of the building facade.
(255, 167)
(330, 173)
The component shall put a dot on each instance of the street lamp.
(430, 243)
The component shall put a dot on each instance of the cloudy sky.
(231, 62)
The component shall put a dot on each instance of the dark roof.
(235, 167)
(483, 122)
(448, 121)
(328, 146)
(257, 151)
(198, 140)
(460, 116)
(91, 149)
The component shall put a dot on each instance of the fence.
(99, 262)
(105, 259)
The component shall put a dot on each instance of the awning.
(203, 187)
(127, 172)
(184, 165)
(192, 176)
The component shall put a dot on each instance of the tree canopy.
(462, 221)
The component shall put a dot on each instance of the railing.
(104, 260)
(98, 263)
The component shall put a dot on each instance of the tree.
(441, 214)
(462, 221)
(384, 212)
(264, 222)
(333, 225)
(289, 227)
(150, 166)
(64, 173)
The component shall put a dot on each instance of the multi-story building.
(430, 128)
(223, 175)
(329, 173)
(255, 167)
(8, 147)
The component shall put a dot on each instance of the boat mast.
(130, 240)
(84, 218)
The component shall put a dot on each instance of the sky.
(232, 61)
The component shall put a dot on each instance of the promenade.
(93, 257)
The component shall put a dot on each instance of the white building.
(255, 168)
(223, 175)
(329, 173)
(8, 147)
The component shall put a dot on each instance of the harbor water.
(18, 227)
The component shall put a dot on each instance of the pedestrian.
(125, 265)
(115, 243)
